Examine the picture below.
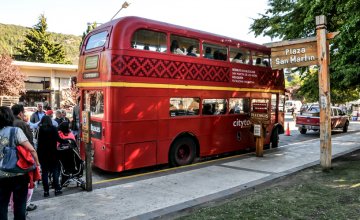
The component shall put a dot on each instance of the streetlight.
(124, 5)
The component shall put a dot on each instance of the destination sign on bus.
(243, 76)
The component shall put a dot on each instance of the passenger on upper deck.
(191, 51)
(174, 48)
(237, 58)
(258, 62)
(208, 53)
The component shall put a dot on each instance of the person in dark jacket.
(48, 155)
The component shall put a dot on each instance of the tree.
(11, 79)
(291, 19)
(38, 47)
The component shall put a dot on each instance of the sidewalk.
(162, 195)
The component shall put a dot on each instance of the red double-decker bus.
(160, 93)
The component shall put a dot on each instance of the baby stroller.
(71, 165)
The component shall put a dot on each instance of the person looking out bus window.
(208, 54)
(258, 62)
(237, 58)
(174, 48)
(191, 51)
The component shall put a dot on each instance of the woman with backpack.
(16, 183)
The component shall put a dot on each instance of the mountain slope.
(12, 36)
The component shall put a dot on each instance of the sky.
(231, 18)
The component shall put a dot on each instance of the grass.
(309, 194)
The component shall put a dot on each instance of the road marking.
(245, 169)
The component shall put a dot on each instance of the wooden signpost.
(85, 115)
(305, 52)
(260, 118)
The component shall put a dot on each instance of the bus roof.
(123, 28)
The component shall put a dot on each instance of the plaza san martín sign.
(296, 53)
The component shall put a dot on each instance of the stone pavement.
(160, 196)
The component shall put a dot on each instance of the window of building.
(96, 40)
(184, 106)
(214, 106)
(149, 40)
(94, 102)
(239, 55)
(214, 51)
(184, 46)
(239, 105)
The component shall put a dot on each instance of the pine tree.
(38, 47)
(11, 79)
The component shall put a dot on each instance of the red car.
(309, 119)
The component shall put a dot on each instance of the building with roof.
(46, 82)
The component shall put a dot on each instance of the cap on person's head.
(49, 112)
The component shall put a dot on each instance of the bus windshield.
(96, 40)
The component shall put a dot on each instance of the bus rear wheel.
(182, 152)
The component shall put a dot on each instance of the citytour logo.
(241, 123)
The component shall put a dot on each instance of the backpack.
(9, 155)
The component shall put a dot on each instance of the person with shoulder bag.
(13, 182)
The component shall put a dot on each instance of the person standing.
(36, 116)
(48, 155)
(58, 117)
(19, 121)
(16, 183)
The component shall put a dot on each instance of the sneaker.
(46, 194)
(58, 192)
(31, 207)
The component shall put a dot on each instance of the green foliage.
(13, 36)
(292, 19)
(38, 47)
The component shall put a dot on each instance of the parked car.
(309, 119)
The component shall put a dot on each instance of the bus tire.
(346, 126)
(275, 138)
(302, 130)
(182, 152)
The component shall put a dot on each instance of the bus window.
(213, 51)
(260, 59)
(149, 40)
(239, 55)
(94, 102)
(214, 106)
(188, 46)
(184, 106)
(239, 105)
(96, 40)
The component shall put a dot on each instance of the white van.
(292, 106)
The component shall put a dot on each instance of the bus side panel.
(140, 154)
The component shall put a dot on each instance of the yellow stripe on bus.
(173, 86)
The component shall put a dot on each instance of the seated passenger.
(237, 58)
(265, 63)
(174, 48)
(208, 54)
(258, 62)
(191, 51)
(206, 110)
(217, 55)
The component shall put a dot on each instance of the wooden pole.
(260, 143)
(324, 93)
(87, 141)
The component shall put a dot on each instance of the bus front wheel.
(182, 152)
